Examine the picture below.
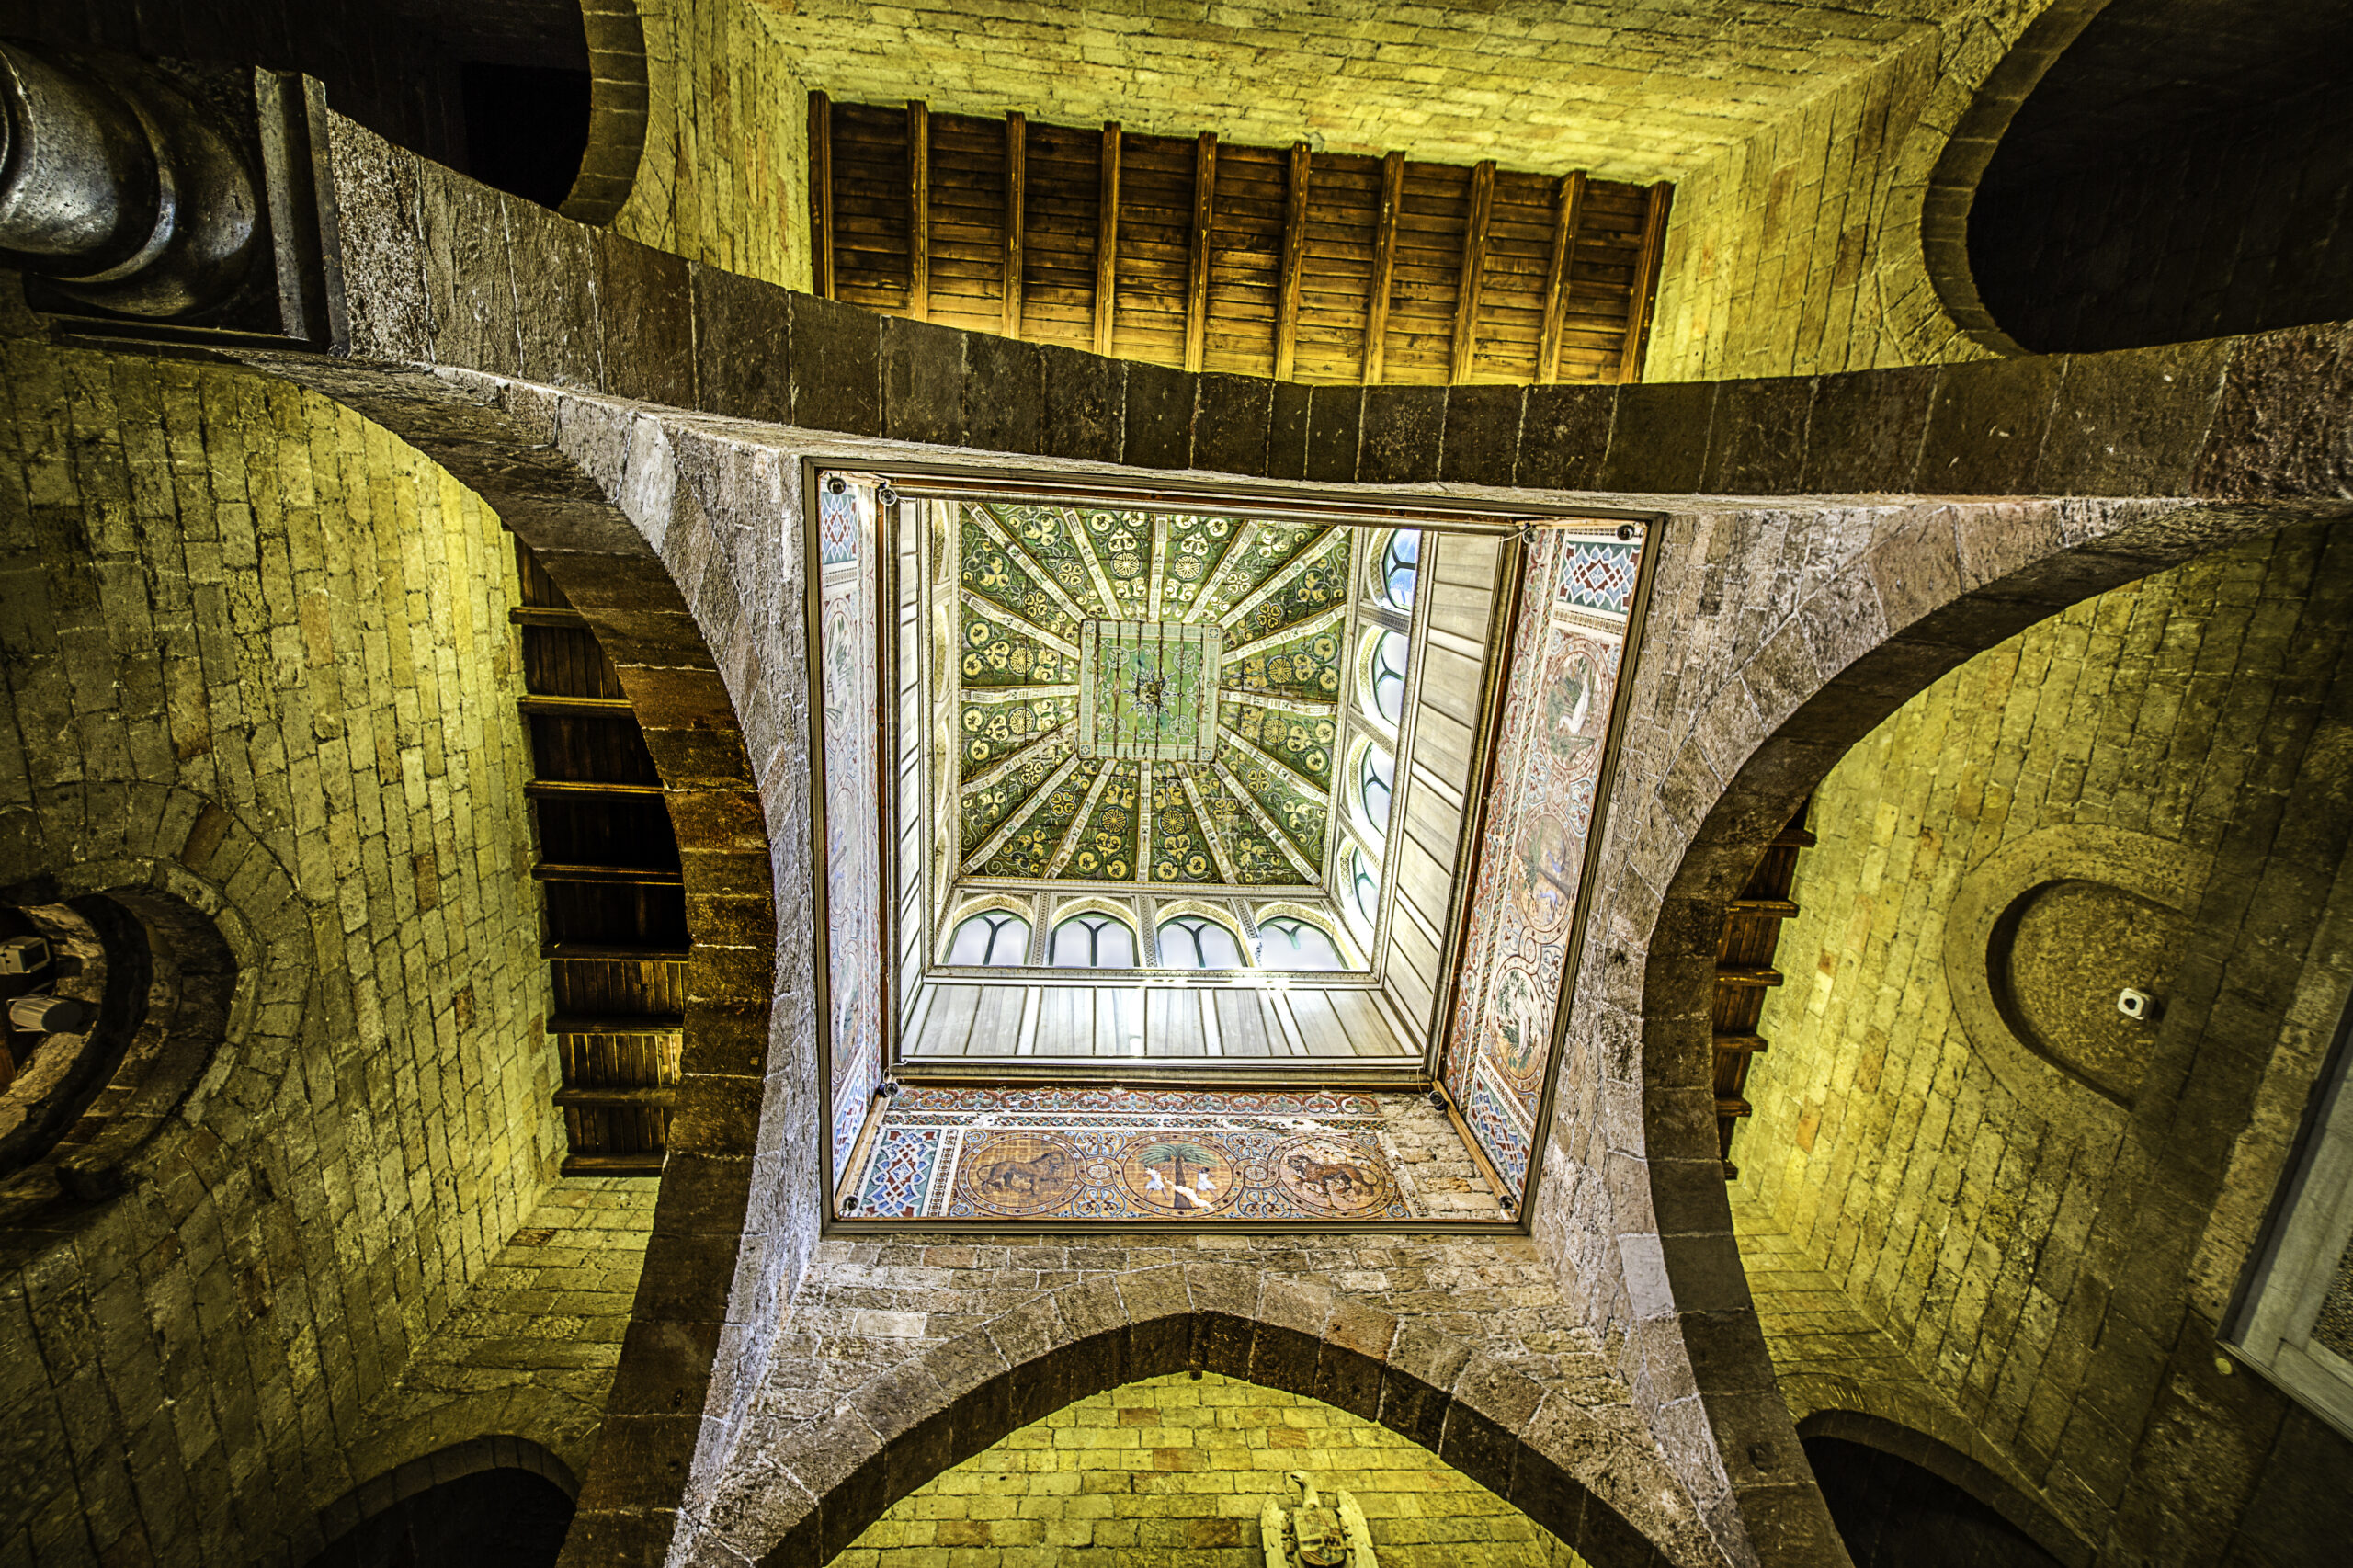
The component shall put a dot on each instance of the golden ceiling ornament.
(1313, 1535)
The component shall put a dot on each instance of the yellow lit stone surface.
(1172, 1473)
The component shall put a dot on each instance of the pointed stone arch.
(824, 1479)
(1935, 585)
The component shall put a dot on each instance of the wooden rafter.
(990, 607)
(821, 195)
(1044, 746)
(1568, 204)
(1302, 165)
(1312, 266)
(1646, 264)
(1320, 620)
(1016, 216)
(1196, 277)
(1107, 238)
(1281, 840)
(1308, 707)
(1384, 266)
(1235, 552)
(1068, 844)
(918, 209)
(1215, 839)
(1144, 821)
(1320, 794)
(1475, 269)
(1018, 815)
(1094, 563)
(994, 526)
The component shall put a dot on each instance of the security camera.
(2138, 1004)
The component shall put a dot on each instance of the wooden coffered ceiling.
(1218, 256)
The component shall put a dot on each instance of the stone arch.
(616, 112)
(1938, 584)
(620, 511)
(826, 1478)
(1955, 1463)
(417, 1476)
(1953, 142)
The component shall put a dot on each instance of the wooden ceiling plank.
(1568, 210)
(918, 209)
(1475, 269)
(1017, 816)
(1144, 821)
(1302, 165)
(1244, 537)
(821, 186)
(1068, 845)
(1209, 829)
(1384, 264)
(1107, 237)
(1197, 281)
(1638, 309)
(1017, 217)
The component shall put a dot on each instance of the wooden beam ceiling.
(1220, 256)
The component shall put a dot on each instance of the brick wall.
(2060, 1281)
(256, 650)
(1775, 254)
(529, 1351)
(724, 177)
(1176, 1469)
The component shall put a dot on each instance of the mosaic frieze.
(1120, 1154)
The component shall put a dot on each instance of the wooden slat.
(1646, 264)
(1107, 237)
(1568, 211)
(1793, 839)
(614, 951)
(1294, 256)
(918, 209)
(1384, 266)
(553, 789)
(1474, 267)
(571, 707)
(1768, 908)
(629, 876)
(542, 616)
(614, 1164)
(821, 195)
(1017, 217)
(615, 1023)
(664, 1096)
(1732, 1105)
(1741, 1044)
(1746, 974)
(1196, 280)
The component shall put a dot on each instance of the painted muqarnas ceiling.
(1148, 697)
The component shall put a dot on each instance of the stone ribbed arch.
(1808, 669)
(823, 1480)
(649, 570)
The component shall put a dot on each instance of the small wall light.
(2138, 1004)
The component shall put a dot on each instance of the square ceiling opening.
(1225, 794)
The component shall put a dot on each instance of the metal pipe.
(120, 193)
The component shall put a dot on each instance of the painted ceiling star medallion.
(1148, 697)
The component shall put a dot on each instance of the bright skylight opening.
(992, 937)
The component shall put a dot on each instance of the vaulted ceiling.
(1148, 698)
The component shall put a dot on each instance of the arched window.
(1195, 941)
(1386, 687)
(1288, 942)
(1376, 776)
(1364, 886)
(1401, 563)
(1093, 941)
(992, 937)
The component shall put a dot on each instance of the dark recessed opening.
(493, 1518)
(527, 128)
(1892, 1513)
(2182, 171)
